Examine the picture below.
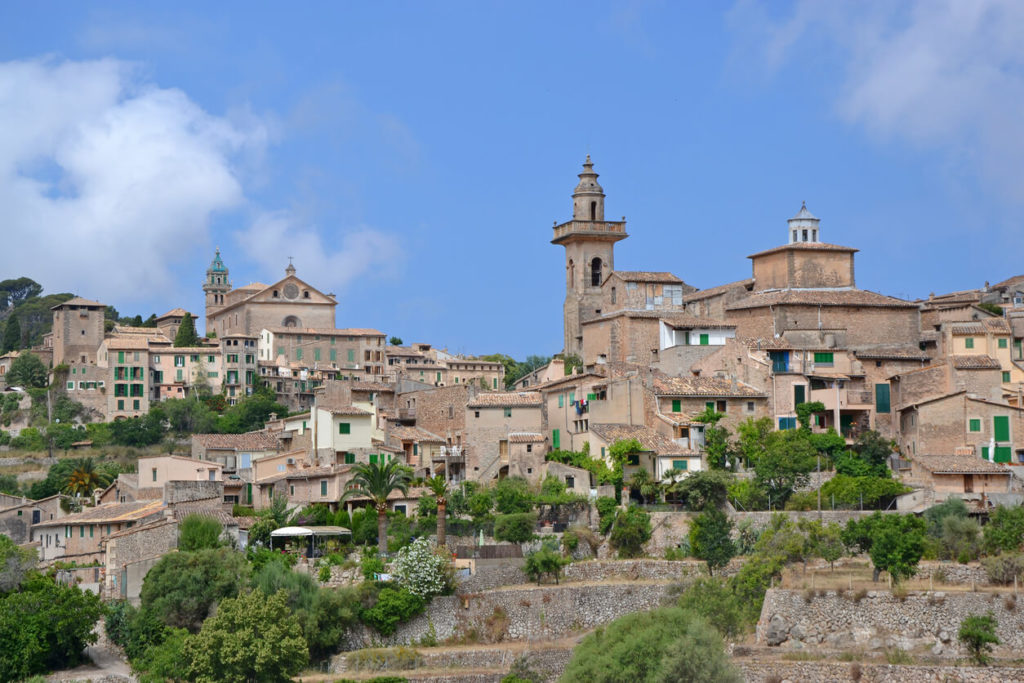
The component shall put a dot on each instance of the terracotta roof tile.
(902, 353)
(525, 437)
(373, 386)
(701, 294)
(983, 326)
(404, 433)
(647, 276)
(676, 319)
(805, 246)
(351, 411)
(505, 399)
(958, 464)
(703, 386)
(77, 301)
(173, 313)
(256, 441)
(650, 439)
(974, 362)
(327, 331)
(820, 297)
(111, 512)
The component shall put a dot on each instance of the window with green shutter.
(556, 439)
(316, 354)
(882, 402)
(438, 376)
(344, 428)
(120, 404)
(298, 354)
(591, 397)
(1006, 377)
(334, 354)
(679, 464)
(974, 424)
(710, 405)
(373, 458)
(495, 382)
(1018, 349)
(508, 412)
(561, 400)
(1003, 454)
(704, 340)
(323, 487)
(572, 397)
(677, 405)
(1002, 343)
(984, 452)
(120, 356)
(351, 355)
(824, 357)
(968, 342)
(1001, 427)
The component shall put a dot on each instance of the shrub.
(392, 607)
(544, 561)
(710, 538)
(423, 570)
(978, 635)
(515, 528)
(513, 495)
(1002, 569)
(1005, 530)
(377, 659)
(570, 541)
(712, 599)
(632, 529)
(182, 587)
(198, 532)
(667, 644)
(606, 507)
(371, 564)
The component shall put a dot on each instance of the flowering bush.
(423, 570)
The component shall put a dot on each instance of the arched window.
(290, 321)
(593, 211)
(572, 273)
(595, 273)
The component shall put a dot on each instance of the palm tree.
(643, 483)
(439, 486)
(84, 478)
(376, 482)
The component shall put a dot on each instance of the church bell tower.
(215, 286)
(589, 242)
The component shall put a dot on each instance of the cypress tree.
(12, 335)
(186, 333)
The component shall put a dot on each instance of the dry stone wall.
(765, 671)
(797, 619)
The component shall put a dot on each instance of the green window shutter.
(974, 424)
(495, 382)
(415, 449)
(984, 452)
(298, 354)
(1018, 348)
(1002, 343)
(710, 405)
(1003, 454)
(602, 452)
(92, 528)
(572, 397)
(344, 428)
(120, 404)
(677, 405)
(508, 412)
(824, 357)
(1006, 376)
(280, 350)
(179, 375)
(1001, 427)
(81, 531)
(799, 394)
(969, 342)
(120, 356)
(74, 371)
(373, 458)
(679, 464)
(316, 354)
(438, 377)
(323, 487)
(882, 403)
(71, 385)
(556, 439)
(704, 340)
(561, 400)
(351, 355)
(334, 353)
(135, 404)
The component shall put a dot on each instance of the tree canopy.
(27, 371)
(186, 335)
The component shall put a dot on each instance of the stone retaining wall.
(761, 519)
(798, 619)
(551, 661)
(954, 573)
(822, 672)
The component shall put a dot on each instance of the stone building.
(957, 476)
(240, 369)
(963, 422)
(356, 354)
(589, 242)
(78, 537)
(78, 328)
(491, 417)
(18, 514)
(290, 302)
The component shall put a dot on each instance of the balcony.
(406, 413)
(612, 230)
(456, 455)
(851, 399)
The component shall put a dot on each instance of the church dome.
(588, 180)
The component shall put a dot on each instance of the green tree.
(826, 540)
(199, 532)
(12, 335)
(544, 562)
(632, 528)
(515, 528)
(438, 485)
(182, 587)
(652, 647)
(785, 465)
(392, 608)
(186, 335)
(1005, 530)
(710, 539)
(395, 341)
(513, 495)
(753, 436)
(376, 482)
(978, 634)
(9, 485)
(139, 431)
(717, 444)
(85, 477)
(704, 489)
(712, 598)
(250, 638)
(897, 545)
(644, 484)
(15, 291)
(189, 415)
(44, 626)
(15, 564)
(27, 371)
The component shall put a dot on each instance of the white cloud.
(940, 74)
(359, 253)
(107, 181)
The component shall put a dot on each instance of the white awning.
(291, 531)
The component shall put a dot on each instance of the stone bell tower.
(215, 286)
(589, 242)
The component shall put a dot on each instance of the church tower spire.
(216, 286)
(589, 242)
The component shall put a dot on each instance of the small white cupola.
(803, 227)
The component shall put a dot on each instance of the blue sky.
(412, 157)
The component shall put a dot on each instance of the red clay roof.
(805, 246)
(820, 297)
